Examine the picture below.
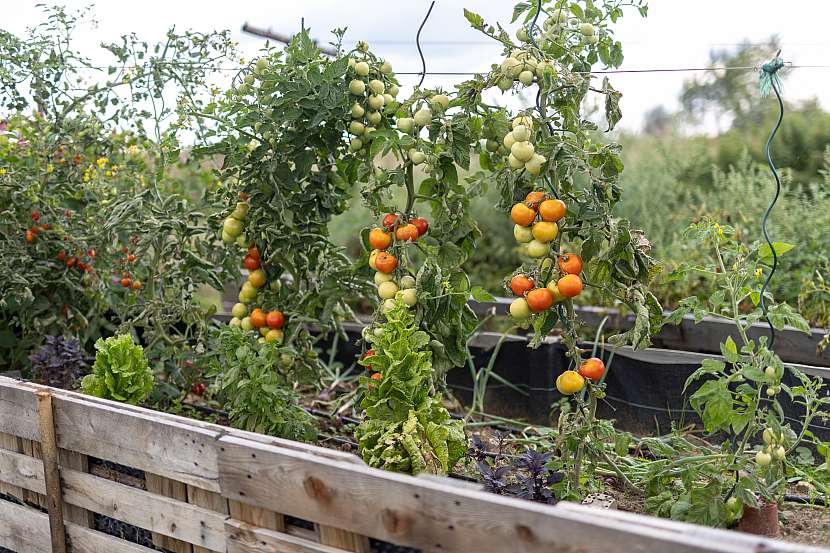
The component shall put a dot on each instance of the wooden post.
(51, 472)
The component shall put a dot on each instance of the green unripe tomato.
(514, 162)
(423, 117)
(523, 235)
(356, 87)
(491, 145)
(246, 324)
(363, 46)
(380, 278)
(405, 124)
(388, 99)
(526, 77)
(522, 35)
(587, 29)
(771, 391)
(356, 128)
(440, 101)
(374, 117)
(520, 134)
(522, 120)
(505, 84)
(240, 211)
(355, 144)
(509, 140)
(375, 102)
(377, 86)
(232, 226)
(239, 310)
(519, 309)
(417, 157)
(537, 249)
(275, 284)
(768, 436)
(780, 453)
(357, 111)
(386, 68)
(227, 238)
(763, 459)
(393, 90)
(534, 165)
(387, 290)
(509, 64)
(409, 296)
(523, 151)
(388, 305)
(261, 65)
(770, 372)
(407, 282)
(593, 39)
(361, 68)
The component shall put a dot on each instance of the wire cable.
(418, 44)
(769, 80)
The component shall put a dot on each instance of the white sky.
(677, 33)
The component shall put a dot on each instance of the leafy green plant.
(255, 382)
(405, 428)
(120, 371)
(741, 395)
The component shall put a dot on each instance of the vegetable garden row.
(128, 190)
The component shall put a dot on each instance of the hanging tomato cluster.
(571, 382)
(32, 232)
(394, 232)
(536, 226)
(268, 323)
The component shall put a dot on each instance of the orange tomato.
(386, 262)
(520, 284)
(570, 286)
(136, 285)
(253, 251)
(407, 232)
(570, 264)
(30, 236)
(275, 319)
(125, 282)
(552, 210)
(539, 299)
(376, 376)
(251, 263)
(379, 239)
(522, 215)
(421, 224)
(535, 198)
(258, 318)
(592, 369)
(389, 220)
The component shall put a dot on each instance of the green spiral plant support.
(769, 80)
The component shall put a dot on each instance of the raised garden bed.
(212, 488)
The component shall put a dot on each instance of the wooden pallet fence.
(213, 489)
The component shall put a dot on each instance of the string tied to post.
(768, 76)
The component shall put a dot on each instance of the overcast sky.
(677, 33)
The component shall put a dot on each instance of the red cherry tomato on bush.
(126, 282)
(61, 255)
(253, 251)
(407, 232)
(570, 264)
(198, 388)
(30, 236)
(35, 215)
(275, 319)
(389, 220)
(71, 262)
(592, 369)
(130, 258)
(368, 354)
(386, 262)
(421, 224)
(251, 263)
(520, 284)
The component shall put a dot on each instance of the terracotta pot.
(762, 521)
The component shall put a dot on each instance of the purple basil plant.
(60, 362)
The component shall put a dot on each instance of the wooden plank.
(256, 516)
(80, 463)
(144, 509)
(211, 501)
(26, 530)
(428, 515)
(51, 471)
(247, 538)
(176, 490)
(343, 539)
(32, 449)
(11, 443)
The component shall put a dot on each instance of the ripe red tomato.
(539, 299)
(71, 262)
(126, 282)
(258, 318)
(275, 319)
(386, 262)
(80, 265)
(533, 199)
(379, 239)
(407, 232)
(421, 224)
(368, 354)
(30, 236)
(251, 263)
(570, 285)
(520, 284)
(125, 249)
(130, 258)
(253, 251)
(570, 264)
(91, 253)
(61, 255)
(198, 388)
(35, 215)
(389, 220)
(592, 369)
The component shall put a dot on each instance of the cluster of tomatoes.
(420, 119)
(571, 382)
(32, 232)
(536, 227)
(372, 96)
(522, 153)
(268, 323)
(127, 279)
(374, 375)
(234, 224)
(392, 230)
(521, 66)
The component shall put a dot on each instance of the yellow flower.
(2, 171)
(102, 162)
(50, 168)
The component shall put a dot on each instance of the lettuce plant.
(120, 371)
(406, 428)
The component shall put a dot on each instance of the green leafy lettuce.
(120, 371)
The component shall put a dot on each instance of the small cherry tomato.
(35, 215)
(389, 220)
(592, 369)
(421, 224)
(30, 236)
(126, 282)
(198, 388)
(136, 285)
(61, 255)
(130, 258)
(251, 263)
